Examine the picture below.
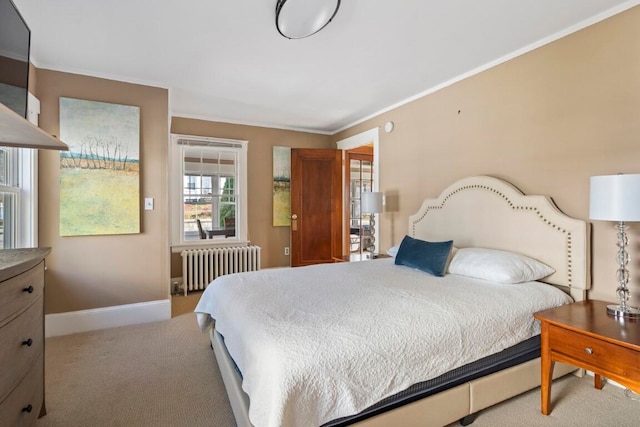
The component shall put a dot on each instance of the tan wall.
(545, 121)
(271, 239)
(98, 271)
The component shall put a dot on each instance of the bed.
(392, 369)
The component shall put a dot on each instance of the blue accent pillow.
(430, 257)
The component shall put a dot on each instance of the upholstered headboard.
(483, 211)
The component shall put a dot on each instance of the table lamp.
(371, 203)
(617, 198)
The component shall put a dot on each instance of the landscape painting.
(281, 186)
(100, 174)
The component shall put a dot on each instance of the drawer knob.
(29, 289)
(588, 350)
(27, 342)
(27, 409)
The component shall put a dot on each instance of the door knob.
(294, 222)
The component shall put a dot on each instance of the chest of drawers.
(21, 336)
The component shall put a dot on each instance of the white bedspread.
(322, 342)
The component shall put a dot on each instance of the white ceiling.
(225, 61)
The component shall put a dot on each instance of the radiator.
(201, 266)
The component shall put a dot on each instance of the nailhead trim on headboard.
(513, 206)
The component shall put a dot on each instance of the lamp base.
(628, 312)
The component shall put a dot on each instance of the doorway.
(358, 175)
(307, 250)
(357, 147)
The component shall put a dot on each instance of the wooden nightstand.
(583, 335)
(359, 257)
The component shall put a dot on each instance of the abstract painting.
(281, 186)
(100, 174)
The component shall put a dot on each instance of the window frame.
(9, 184)
(179, 143)
(21, 182)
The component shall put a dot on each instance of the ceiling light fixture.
(297, 19)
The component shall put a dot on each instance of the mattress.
(512, 356)
(323, 342)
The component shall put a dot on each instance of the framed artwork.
(100, 174)
(281, 186)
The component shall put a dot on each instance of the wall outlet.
(286, 250)
(148, 203)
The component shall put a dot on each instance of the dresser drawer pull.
(27, 342)
(588, 350)
(29, 289)
(27, 409)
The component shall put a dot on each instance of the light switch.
(148, 203)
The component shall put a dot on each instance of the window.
(17, 198)
(208, 191)
(9, 193)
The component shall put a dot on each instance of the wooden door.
(316, 206)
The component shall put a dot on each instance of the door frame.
(371, 136)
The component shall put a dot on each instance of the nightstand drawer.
(595, 354)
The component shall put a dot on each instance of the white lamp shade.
(296, 19)
(371, 202)
(615, 198)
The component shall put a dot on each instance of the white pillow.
(393, 250)
(497, 266)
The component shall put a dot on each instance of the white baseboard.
(107, 317)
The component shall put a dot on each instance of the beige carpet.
(156, 374)
(165, 374)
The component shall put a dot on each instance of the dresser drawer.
(15, 351)
(21, 291)
(22, 407)
(595, 354)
